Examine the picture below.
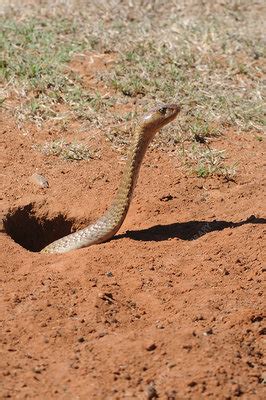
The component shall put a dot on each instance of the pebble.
(151, 346)
(37, 370)
(192, 384)
(208, 332)
(39, 180)
(166, 198)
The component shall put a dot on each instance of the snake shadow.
(191, 230)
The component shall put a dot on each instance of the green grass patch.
(210, 58)
(35, 53)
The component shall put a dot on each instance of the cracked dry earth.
(171, 308)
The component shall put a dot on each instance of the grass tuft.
(73, 151)
(204, 162)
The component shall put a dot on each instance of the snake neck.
(119, 207)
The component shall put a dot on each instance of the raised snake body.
(107, 225)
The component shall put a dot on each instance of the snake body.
(110, 222)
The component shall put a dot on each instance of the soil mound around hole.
(34, 232)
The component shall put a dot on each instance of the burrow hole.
(34, 232)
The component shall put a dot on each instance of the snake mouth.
(34, 231)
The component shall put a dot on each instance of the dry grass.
(73, 151)
(207, 161)
(207, 55)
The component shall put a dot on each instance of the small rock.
(172, 365)
(225, 271)
(166, 198)
(192, 384)
(39, 180)
(81, 340)
(256, 318)
(208, 332)
(151, 347)
(38, 369)
(159, 325)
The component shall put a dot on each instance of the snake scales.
(108, 224)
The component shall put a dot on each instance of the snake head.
(155, 119)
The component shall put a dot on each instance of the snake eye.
(162, 110)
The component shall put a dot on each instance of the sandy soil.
(171, 308)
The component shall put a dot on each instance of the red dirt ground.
(171, 308)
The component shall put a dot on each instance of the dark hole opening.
(33, 232)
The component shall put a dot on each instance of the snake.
(105, 227)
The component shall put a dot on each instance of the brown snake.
(107, 225)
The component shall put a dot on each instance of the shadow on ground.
(190, 230)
